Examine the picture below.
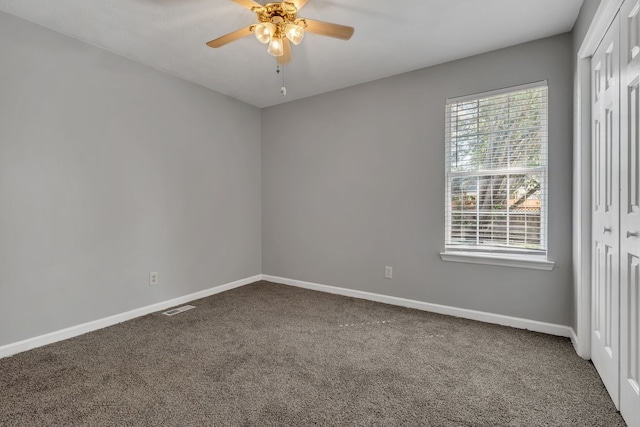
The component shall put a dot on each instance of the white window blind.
(496, 172)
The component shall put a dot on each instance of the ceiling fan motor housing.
(282, 12)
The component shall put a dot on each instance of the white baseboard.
(574, 339)
(582, 348)
(499, 319)
(50, 338)
(39, 341)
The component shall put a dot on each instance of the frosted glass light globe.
(275, 47)
(295, 33)
(264, 31)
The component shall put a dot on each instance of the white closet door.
(630, 213)
(605, 216)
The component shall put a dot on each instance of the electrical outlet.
(153, 278)
(388, 272)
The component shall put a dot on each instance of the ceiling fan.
(278, 26)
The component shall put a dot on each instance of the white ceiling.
(391, 37)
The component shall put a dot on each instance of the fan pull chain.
(283, 89)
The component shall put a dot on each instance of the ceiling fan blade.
(298, 3)
(249, 4)
(228, 38)
(287, 55)
(327, 29)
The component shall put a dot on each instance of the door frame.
(581, 262)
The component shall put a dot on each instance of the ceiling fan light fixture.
(295, 33)
(278, 27)
(264, 31)
(275, 47)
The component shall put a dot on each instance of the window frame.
(496, 254)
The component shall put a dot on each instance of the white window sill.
(501, 260)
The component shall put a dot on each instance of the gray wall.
(110, 170)
(353, 180)
(587, 12)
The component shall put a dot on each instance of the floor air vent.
(175, 311)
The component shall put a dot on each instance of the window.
(496, 176)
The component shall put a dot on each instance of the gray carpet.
(268, 354)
